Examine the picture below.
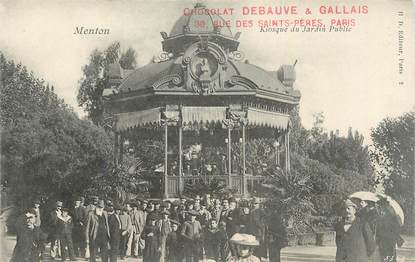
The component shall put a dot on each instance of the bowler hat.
(65, 209)
(101, 204)
(59, 204)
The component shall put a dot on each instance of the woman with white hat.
(245, 245)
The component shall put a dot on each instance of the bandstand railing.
(175, 184)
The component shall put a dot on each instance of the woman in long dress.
(149, 235)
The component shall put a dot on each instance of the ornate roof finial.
(200, 5)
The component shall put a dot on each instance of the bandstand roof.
(200, 71)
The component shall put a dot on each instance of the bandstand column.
(116, 144)
(180, 158)
(287, 151)
(165, 159)
(229, 151)
(244, 185)
(121, 147)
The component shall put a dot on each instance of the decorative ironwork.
(175, 79)
(236, 55)
(235, 118)
(204, 64)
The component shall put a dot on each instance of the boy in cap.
(163, 230)
(191, 233)
(173, 244)
(65, 226)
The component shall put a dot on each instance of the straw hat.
(244, 240)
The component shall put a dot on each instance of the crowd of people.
(154, 230)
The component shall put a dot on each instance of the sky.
(351, 77)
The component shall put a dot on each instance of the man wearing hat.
(36, 207)
(163, 230)
(151, 247)
(30, 238)
(258, 226)
(244, 245)
(191, 233)
(79, 220)
(126, 229)
(216, 211)
(54, 236)
(142, 218)
(97, 232)
(114, 225)
(93, 201)
(174, 212)
(353, 237)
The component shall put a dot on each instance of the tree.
(94, 78)
(47, 151)
(393, 155)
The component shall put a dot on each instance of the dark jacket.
(191, 230)
(114, 229)
(356, 244)
(29, 243)
(65, 226)
(92, 226)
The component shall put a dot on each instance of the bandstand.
(200, 87)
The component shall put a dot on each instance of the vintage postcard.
(207, 130)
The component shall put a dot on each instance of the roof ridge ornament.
(199, 5)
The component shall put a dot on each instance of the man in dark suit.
(115, 232)
(97, 232)
(30, 238)
(79, 220)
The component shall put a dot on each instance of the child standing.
(65, 226)
(173, 243)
